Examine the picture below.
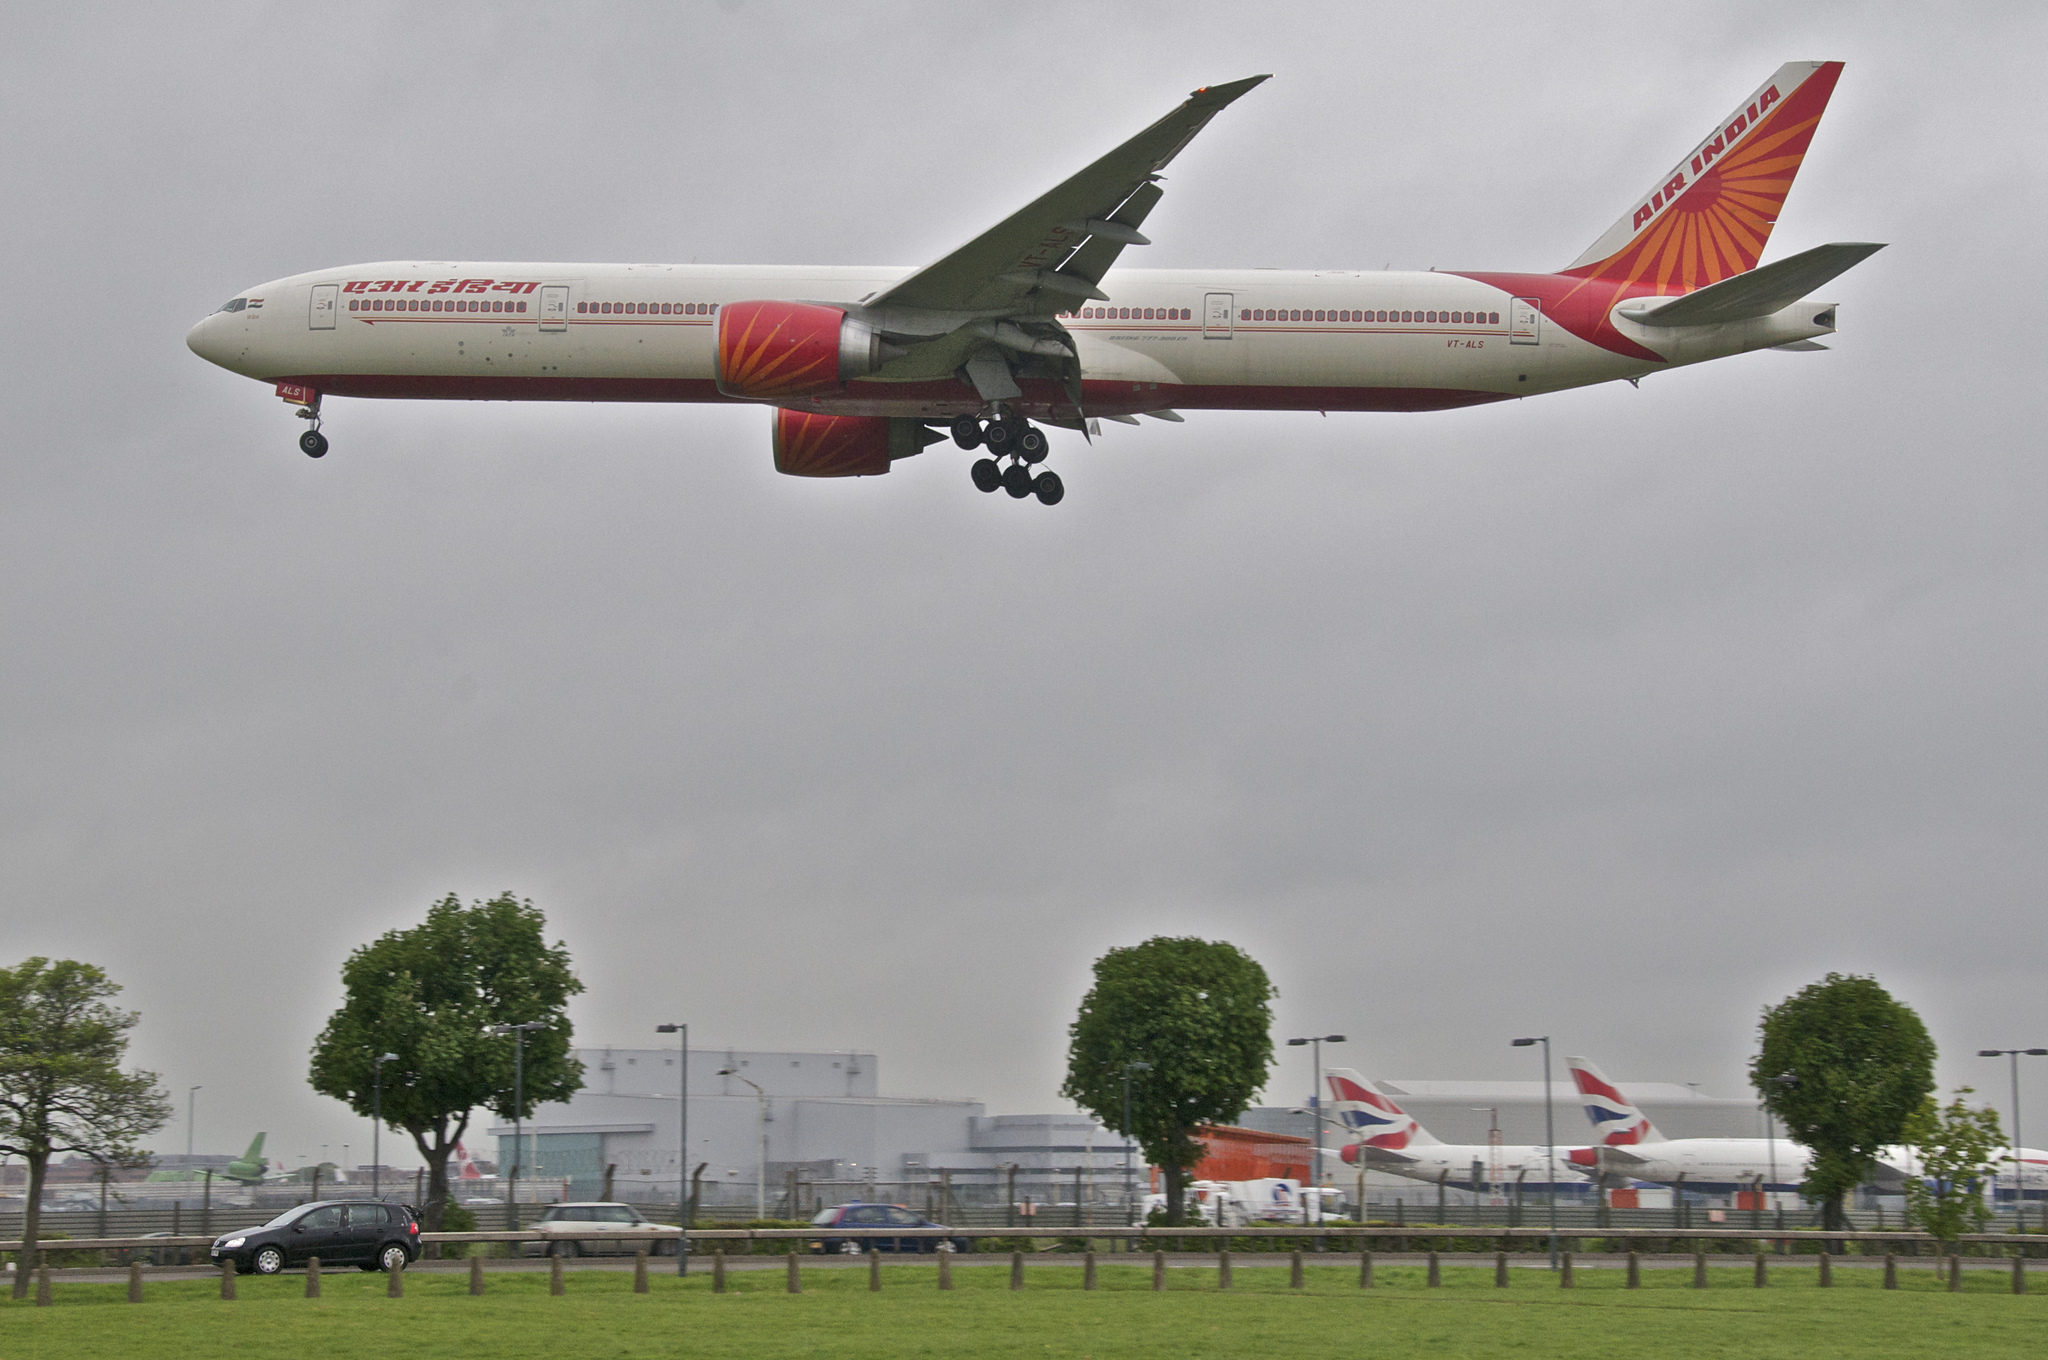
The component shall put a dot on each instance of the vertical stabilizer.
(1617, 1122)
(255, 1152)
(1370, 1113)
(1709, 216)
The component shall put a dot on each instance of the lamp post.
(518, 1033)
(377, 1125)
(682, 1146)
(1315, 1104)
(761, 1157)
(2019, 1168)
(1549, 1143)
(1130, 1187)
(191, 1113)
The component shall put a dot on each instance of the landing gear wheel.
(1031, 444)
(987, 476)
(313, 444)
(1051, 490)
(967, 432)
(1017, 480)
(999, 434)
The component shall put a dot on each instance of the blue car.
(852, 1229)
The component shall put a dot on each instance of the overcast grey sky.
(1612, 715)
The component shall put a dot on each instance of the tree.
(1844, 1066)
(1197, 1012)
(1957, 1149)
(427, 994)
(61, 1084)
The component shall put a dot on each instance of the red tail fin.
(1710, 217)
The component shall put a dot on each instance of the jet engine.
(809, 445)
(780, 351)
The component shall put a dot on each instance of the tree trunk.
(1832, 1218)
(437, 1154)
(31, 1222)
(1176, 1195)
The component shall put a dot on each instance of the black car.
(857, 1228)
(360, 1233)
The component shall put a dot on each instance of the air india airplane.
(1030, 325)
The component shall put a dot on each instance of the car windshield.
(290, 1216)
(824, 1217)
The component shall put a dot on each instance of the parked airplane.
(1029, 323)
(1390, 1139)
(248, 1169)
(1631, 1146)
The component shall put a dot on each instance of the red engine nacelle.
(809, 445)
(780, 351)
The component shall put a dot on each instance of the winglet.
(1219, 95)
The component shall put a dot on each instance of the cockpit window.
(235, 305)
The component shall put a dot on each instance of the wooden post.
(2019, 1274)
(554, 1275)
(1294, 1275)
(312, 1277)
(1088, 1269)
(1016, 1270)
(1564, 1273)
(874, 1270)
(640, 1270)
(718, 1271)
(1158, 1271)
(1436, 1274)
(1223, 1268)
(135, 1282)
(1500, 1270)
(1761, 1278)
(43, 1284)
(1699, 1270)
(1891, 1271)
(1827, 1269)
(1955, 1274)
(227, 1277)
(945, 1269)
(476, 1275)
(1365, 1270)
(394, 1282)
(1635, 1272)
(796, 1279)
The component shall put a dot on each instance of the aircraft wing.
(1761, 291)
(1052, 253)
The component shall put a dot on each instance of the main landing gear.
(1015, 440)
(312, 443)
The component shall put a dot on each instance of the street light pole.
(682, 1147)
(518, 1033)
(377, 1126)
(191, 1113)
(1130, 1187)
(1550, 1143)
(760, 1158)
(2019, 1168)
(1315, 1105)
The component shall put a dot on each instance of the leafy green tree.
(1957, 1148)
(1197, 1013)
(61, 1084)
(427, 994)
(1844, 1066)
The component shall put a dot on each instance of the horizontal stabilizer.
(1760, 292)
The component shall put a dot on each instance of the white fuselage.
(1469, 1166)
(1215, 340)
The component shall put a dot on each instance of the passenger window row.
(648, 308)
(1133, 314)
(1318, 314)
(396, 304)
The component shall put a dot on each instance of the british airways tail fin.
(1371, 1113)
(1617, 1122)
(1710, 216)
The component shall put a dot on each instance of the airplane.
(1028, 324)
(1630, 1146)
(1390, 1139)
(248, 1169)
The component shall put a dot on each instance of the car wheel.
(392, 1259)
(568, 1251)
(267, 1260)
(850, 1248)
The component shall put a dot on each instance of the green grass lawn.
(837, 1316)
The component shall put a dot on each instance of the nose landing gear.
(312, 443)
(1015, 441)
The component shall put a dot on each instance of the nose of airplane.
(206, 340)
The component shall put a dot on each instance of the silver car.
(593, 1229)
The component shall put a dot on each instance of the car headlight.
(231, 1243)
